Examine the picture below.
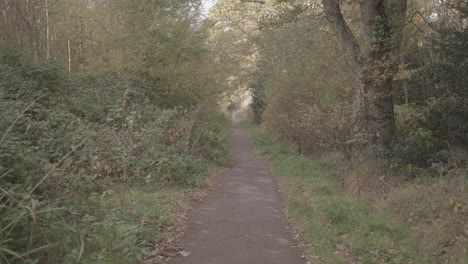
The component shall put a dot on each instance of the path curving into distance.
(241, 221)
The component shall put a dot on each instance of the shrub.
(258, 104)
(418, 148)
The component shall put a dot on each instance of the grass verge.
(333, 226)
(140, 222)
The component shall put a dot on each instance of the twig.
(8, 194)
(5, 174)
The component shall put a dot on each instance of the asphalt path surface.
(241, 222)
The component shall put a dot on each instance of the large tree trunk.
(382, 20)
(373, 115)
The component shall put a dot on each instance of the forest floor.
(242, 220)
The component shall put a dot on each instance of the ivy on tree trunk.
(374, 70)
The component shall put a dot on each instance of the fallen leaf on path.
(184, 253)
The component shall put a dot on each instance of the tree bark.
(81, 44)
(69, 44)
(348, 42)
(47, 30)
(382, 20)
(373, 114)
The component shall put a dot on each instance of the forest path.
(241, 222)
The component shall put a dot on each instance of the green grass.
(335, 227)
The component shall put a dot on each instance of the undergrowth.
(93, 171)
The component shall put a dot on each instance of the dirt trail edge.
(241, 222)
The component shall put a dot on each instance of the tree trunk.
(47, 30)
(68, 44)
(382, 20)
(81, 44)
(373, 114)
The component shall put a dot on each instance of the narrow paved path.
(241, 222)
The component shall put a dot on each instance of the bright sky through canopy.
(206, 5)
